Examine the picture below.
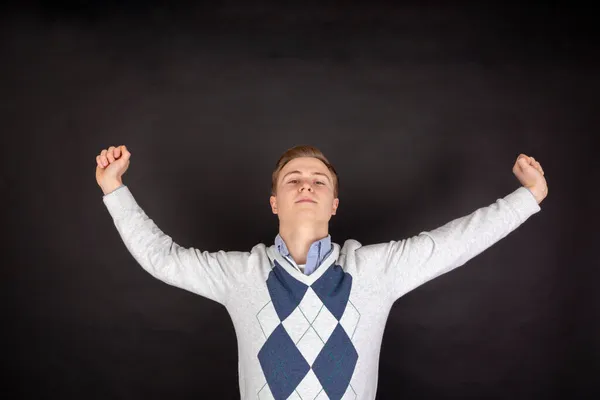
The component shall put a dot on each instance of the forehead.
(305, 164)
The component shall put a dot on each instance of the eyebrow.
(299, 172)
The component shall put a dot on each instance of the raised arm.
(212, 275)
(406, 264)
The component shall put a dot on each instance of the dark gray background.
(423, 110)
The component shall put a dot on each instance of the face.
(305, 191)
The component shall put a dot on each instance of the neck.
(298, 239)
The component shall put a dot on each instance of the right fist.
(111, 165)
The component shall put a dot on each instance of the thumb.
(125, 154)
(523, 163)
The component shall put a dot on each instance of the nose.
(306, 185)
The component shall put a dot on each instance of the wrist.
(539, 193)
(110, 186)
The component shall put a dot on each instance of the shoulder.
(350, 246)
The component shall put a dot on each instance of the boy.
(309, 314)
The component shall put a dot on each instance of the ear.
(336, 203)
(273, 201)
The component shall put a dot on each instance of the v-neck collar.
(299, 275)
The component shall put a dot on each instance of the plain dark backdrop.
(423, 109)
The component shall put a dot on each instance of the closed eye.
(295, 180)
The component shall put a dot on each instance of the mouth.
(306, 201)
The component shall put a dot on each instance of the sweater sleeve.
(409, 263)
(211, 275)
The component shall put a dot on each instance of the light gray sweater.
(314, 336)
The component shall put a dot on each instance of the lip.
(306, 201)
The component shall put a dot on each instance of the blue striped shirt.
(317, 252)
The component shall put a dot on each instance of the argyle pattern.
(308, 352)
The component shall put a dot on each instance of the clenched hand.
(112, 163)
(531, 175)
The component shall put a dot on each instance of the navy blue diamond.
(282, 364)
(333, 288)
(285, 291)
(335, 363)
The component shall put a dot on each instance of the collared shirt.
(317, 252)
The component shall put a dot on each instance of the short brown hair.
(303, 151)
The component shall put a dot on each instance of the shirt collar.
(325, 244)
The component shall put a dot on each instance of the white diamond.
(294, 396)
(310, 346)
(309, 387)
(324, 324)
(350, 319)
(322, 396)
(265, 393)
(268, 319)
(296, 325)
(310, 304)
(350, 394)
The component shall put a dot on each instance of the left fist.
(531, 175)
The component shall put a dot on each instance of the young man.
(309, 314)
